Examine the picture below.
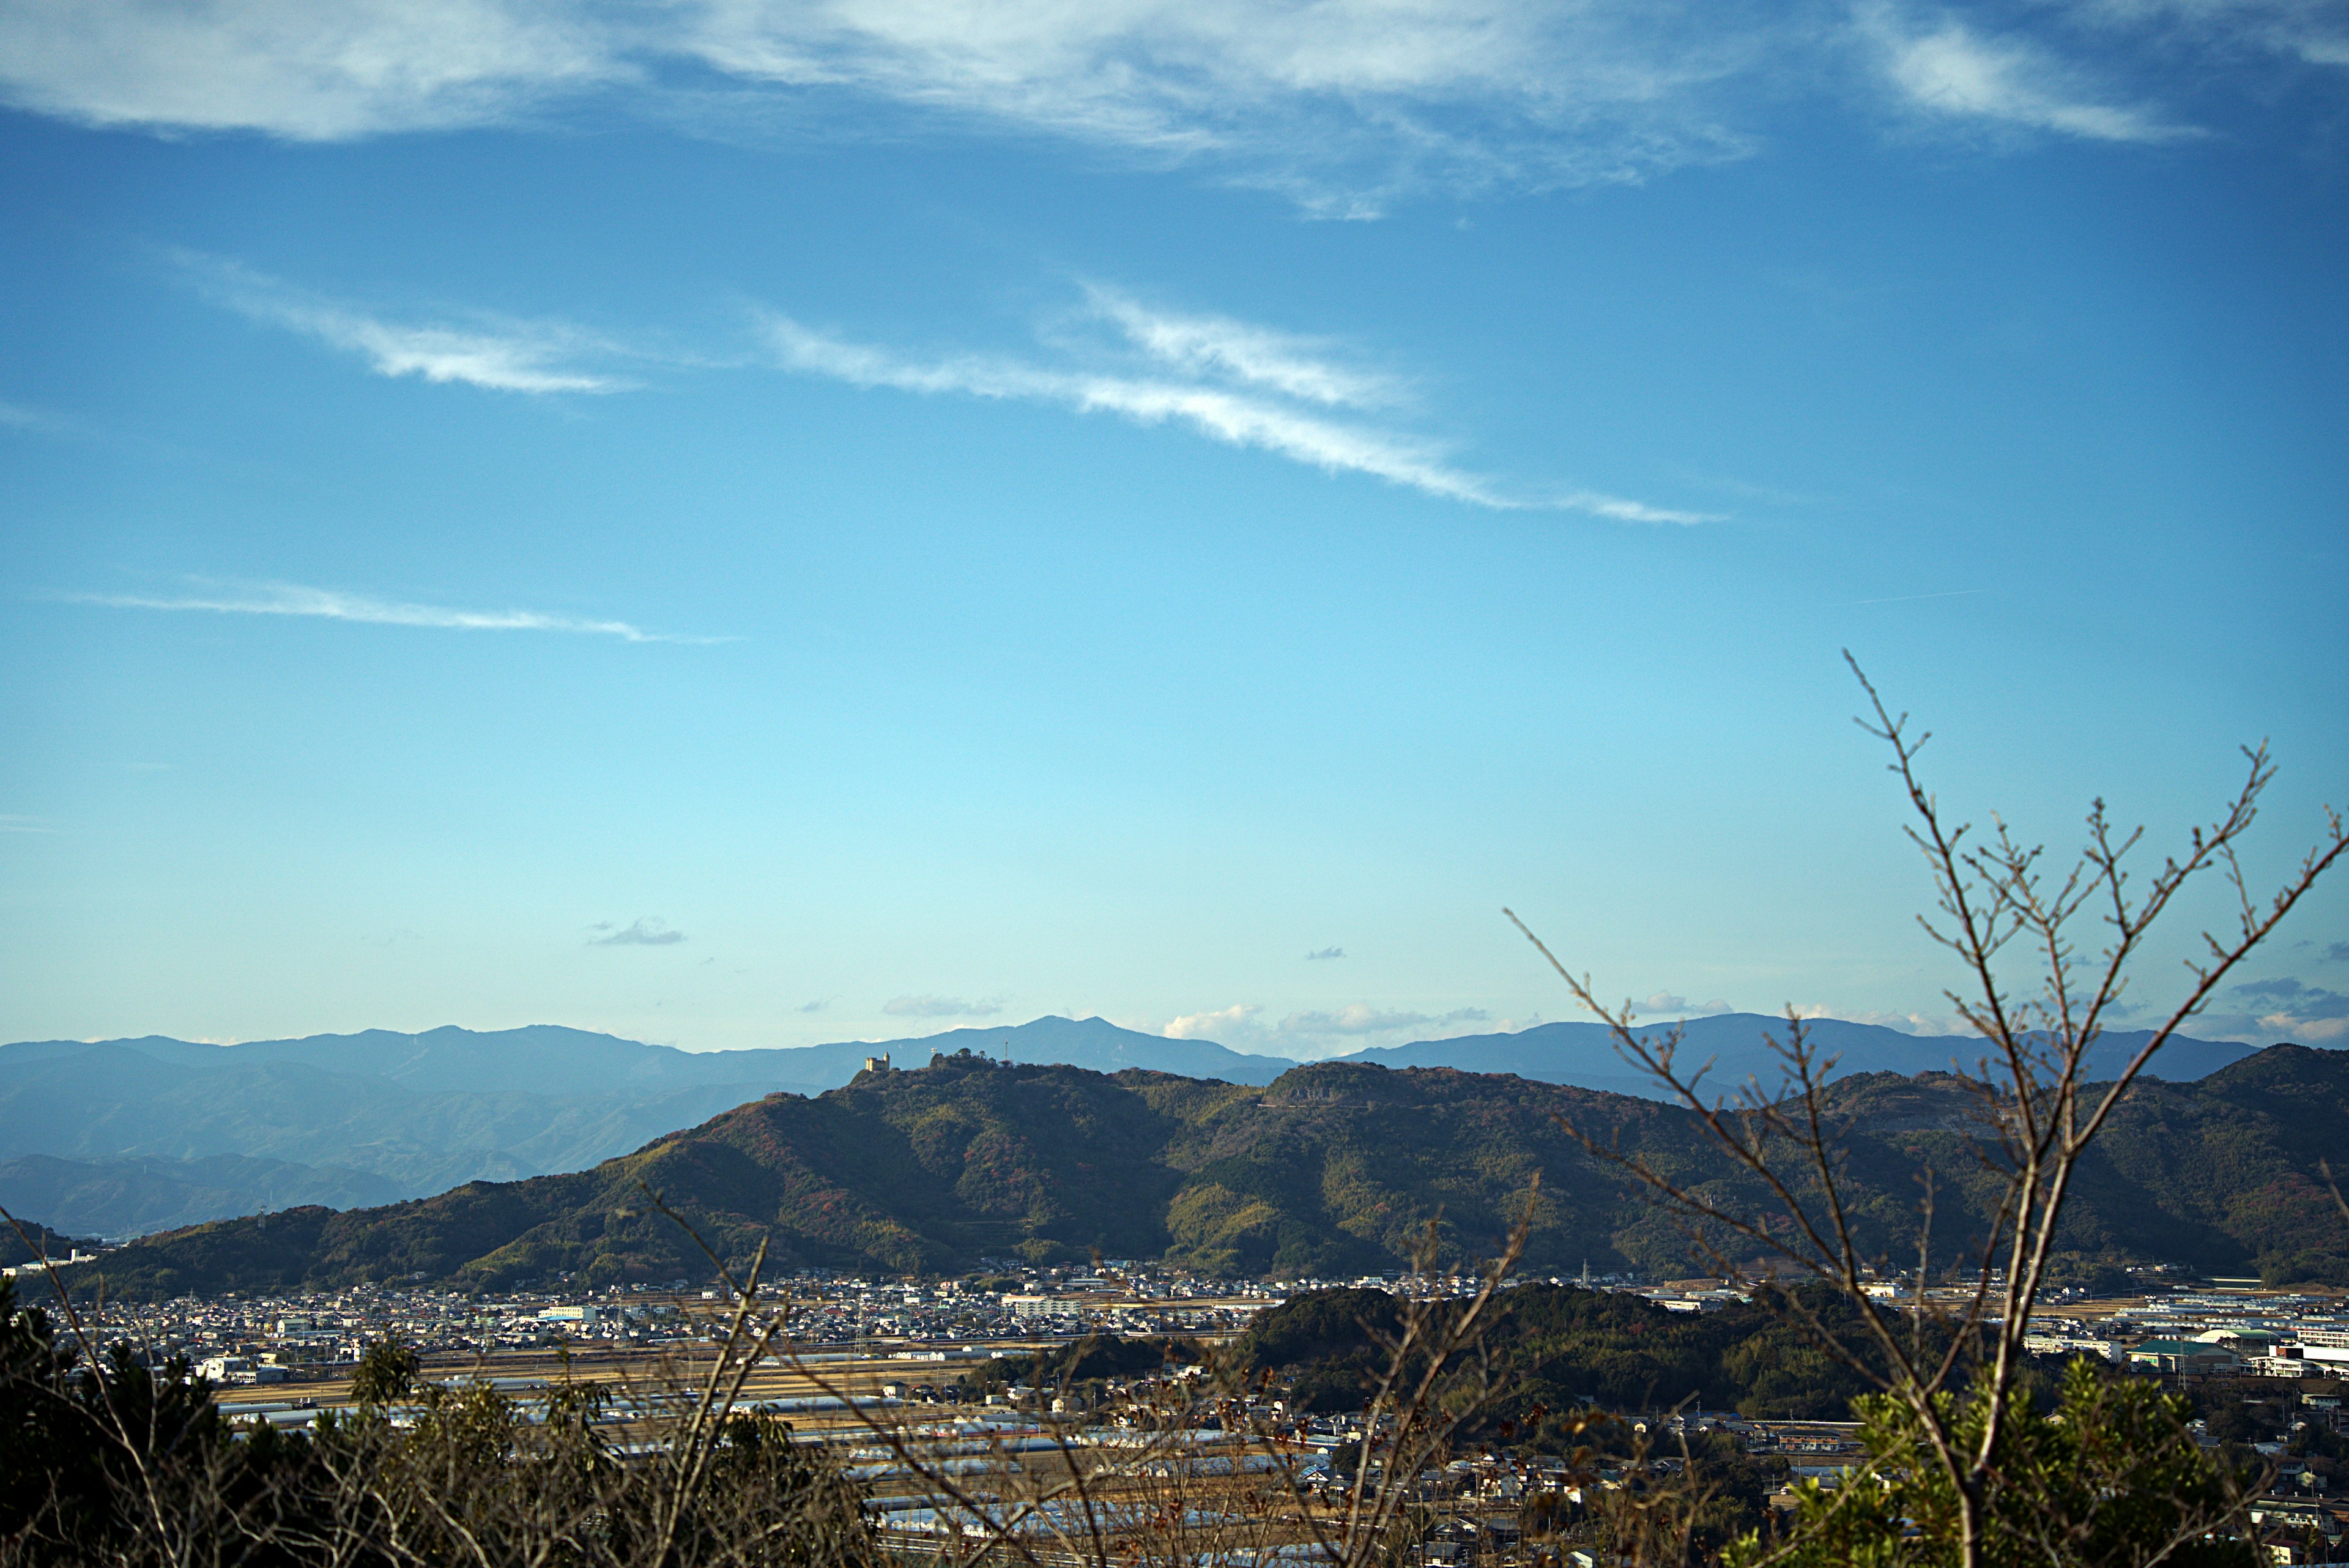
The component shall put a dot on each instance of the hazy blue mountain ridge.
(528, 1059)
(111, 1102)
(140, 1194)
(1585, 1055)
(378, 1116)
(428, 1112)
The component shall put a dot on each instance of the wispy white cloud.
(327, 604)
(1622, 511)
(298, 70)
(1225, 415)
(1235, 381)
(17, 823)
(536, 357)
(1343, 105)
(1946, 69)
(1225, 399)
(1308, 368)
(2314, 31)
(1340, 102)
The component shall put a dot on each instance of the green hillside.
(22, 1242)
(1557, 1348)
(1333, 1168)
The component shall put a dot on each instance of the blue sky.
(749, 524)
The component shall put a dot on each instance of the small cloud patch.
(1323, 955)
(940, 1007)
(651, 931)
(1666, 1001)
(2284, 1008)
(1360, 1018)
(1203, 1025)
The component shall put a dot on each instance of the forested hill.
(1332, 1169)
(22, 1241)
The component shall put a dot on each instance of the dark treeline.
(1563, 1348)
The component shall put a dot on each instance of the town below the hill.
(921, 1388)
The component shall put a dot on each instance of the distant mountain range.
(1335, 1167)
(141, 1135)
(1735, 1043)
(139, 1194)
(136, 1135)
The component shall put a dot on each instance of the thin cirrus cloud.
(1245, 385)
(1242, 385)
(1343, 104)
(326, 604)
(1309, 370)
(496, 355)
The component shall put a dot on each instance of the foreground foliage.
(2111, 1478)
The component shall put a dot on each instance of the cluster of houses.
(2210, 1334)
(234, 1340)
